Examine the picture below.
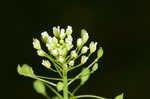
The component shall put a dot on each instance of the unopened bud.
(40, 52)
(73, 53)
(36, 44)
(69, 30)
(46, 63)
(79, 42)
(84, 35)
(84, 59)
(71, 63)
(62, 34)
(84, 50)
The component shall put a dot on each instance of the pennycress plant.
(61, 59)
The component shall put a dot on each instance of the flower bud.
(73, 53)
(62, 52)
(100, 52)
(36, 44)
(95, 67)
(62, 34)
(69, 30)
(84, 59)
(61, 59)
(84, 50)
(54, 40)
(46, 63)
(84, 35)
(79, 42)
(40, 52)
(45, 36)
(71, 63)
(92, 47)
(54, 52)
(56, 31)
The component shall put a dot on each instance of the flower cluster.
(60, 46)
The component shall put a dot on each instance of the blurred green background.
(120, 26)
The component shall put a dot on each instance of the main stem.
(65, 81)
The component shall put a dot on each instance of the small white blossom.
(46, 63)
(69, 30)
(73, 53)
(62, 34)
(71, 63)
(54, 52)
(40, 52)
(84, 50)
(79, 42)
(84, 59)
(92, 47)
(61, 59)
(62, 52)
(56, 31)
(49, 39)
(36, 44)
(54, 40)
(44, 34)
(69, 46)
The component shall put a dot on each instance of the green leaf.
(119, 96)
(95, 67)
(39, 87)
(100, 52)
(60, 86)
(85, 74)
(25, 70)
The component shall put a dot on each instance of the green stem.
(76, 89)
(65, 81)
(49, 78)
(90, 96)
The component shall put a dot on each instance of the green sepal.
(85, 74)
(119, 96)
(39, 87)
(26, 70)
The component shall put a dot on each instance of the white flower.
(49, 39)
(40, 52)
(54, 52)
(61, 59)
(62, 52)
(71, 63)
(56, 31)
(79, 42)
(69, 30)
(36, 44)
(54, 40)
(84, 50)
(84, 59)
(92, 47)
(62, 34)
(73, 53)
(44, 34)
(46, 63)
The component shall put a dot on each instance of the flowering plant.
(61, 59)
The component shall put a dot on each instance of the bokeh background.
(120, 26)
